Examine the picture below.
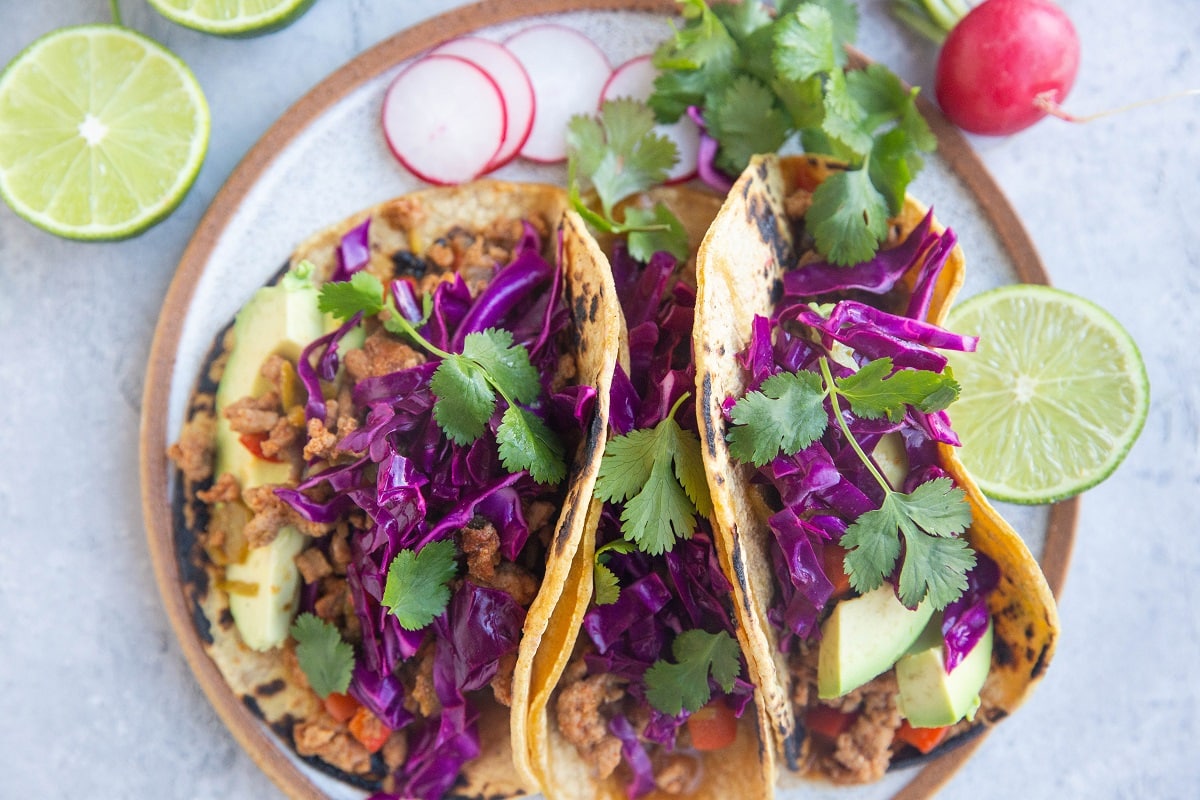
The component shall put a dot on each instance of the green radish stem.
(932, 19)
(115, 9)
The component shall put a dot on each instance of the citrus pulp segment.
(1052, 399)
(235, 18)
(102, 132)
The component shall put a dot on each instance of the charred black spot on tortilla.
(706, 397)
(1029, 633)
(594, 309)
(739, 569)
(580, 308)
(225, 620)
(764, 171)
(409, 263)
(776, 291)
(1039, 666)
(564, 529)
(791, 746)
(1030, 655)
(271, 688)
(252, 703)
(1002, 652)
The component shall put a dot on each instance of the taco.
(891, 610)
(380, 472)
(640, 688)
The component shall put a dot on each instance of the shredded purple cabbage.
(965, 620)
(413, 486)
(825, 487)
(354, 251)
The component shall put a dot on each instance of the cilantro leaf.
(465, 400)
(606, 589)
(526, 442)
(804, 46)
(343, 299)
(672, 687)
(786, 414)
(416, 590)
(652, 230)
(703, 43)
(935, 565)
(934, 568)
(326, 660)
(659, 475)
(845, 120)
(873, 393)
(746, 120)
(844, 16)
(507, 366)
(848, 217)
(619, 154)
(661, 512)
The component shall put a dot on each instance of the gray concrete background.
(98, 700)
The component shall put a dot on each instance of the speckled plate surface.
(326, 158)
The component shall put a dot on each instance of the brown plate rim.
(247, 730)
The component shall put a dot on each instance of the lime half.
(232, 17)
(1054, 397)
(102, 132)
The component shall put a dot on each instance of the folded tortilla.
(744, 769)
(750, 245)
(401, 232)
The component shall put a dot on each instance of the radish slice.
(567, 72)
(504, 68)
(635, 79)
(444, 118)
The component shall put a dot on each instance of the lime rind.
(52, 177)
(231, 18)
(1053, 399)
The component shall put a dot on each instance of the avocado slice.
(929, 698)
(863, 637)
(280, 319)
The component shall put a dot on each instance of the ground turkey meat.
(193, 453)
(381, 354)
(331, 742)
(254, 414)
(862, 753)
(272, 514)
(481, 545)
(503, 681)
(582, 722)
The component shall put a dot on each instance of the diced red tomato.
(341, 706)
(924, 739)
(712, 727)
(833, 557)
(827, 722)
(254, 442)
(369, 730)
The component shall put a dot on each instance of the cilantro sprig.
(787, 414)
(763, 80)
(672, 687)
(606, 586)
(658, 474)
(417, 588)
(326, 660)
(619, 154)
(467, 384)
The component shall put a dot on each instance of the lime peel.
(1054, 397)
(233, 18)
(102, 132)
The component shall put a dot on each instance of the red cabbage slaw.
(684, 588)
(825, 487)
(413, 486)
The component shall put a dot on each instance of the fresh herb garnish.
(466, 384)
(763, 79)
(788, 414)
(416, 590)
(698, 654)
(324, 657)
(618, 154)
(659, 475)
(606, 587)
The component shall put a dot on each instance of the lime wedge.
(232, 17)
(102, 132)
(1054, 397)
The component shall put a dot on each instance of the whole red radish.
(1000, 59)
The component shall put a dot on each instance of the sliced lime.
(1054, 397)
(102, 132)
(233, 17)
